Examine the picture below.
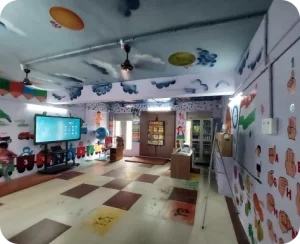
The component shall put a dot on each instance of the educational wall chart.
(267, 167)
(136, 130)
(180, 125)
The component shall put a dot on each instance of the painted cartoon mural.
(74, 92)
(160, 85)
(98, 119)
(4, 118)
(101, 89)
(205, 58)
(66, 18)
(127, 88)
(183, 59)
(180, 125)
(257, 59)
(6, 160)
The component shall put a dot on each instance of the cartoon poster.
(180, 125)
(136, 130)
(98, 119)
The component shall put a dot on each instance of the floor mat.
(147, 160)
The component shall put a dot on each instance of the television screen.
(49, 129)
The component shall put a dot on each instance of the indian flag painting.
(247, 110)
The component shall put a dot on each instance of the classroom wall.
(208, 83)
(268, 196)
(181, 115)
(17, 118)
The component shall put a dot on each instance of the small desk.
(116, 154)
(181, 165)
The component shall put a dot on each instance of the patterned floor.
(115, 203)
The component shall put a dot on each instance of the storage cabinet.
(116, 154)
(201, 139)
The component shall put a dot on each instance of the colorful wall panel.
(16, 89)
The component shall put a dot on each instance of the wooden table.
(116, 154)
(181, 165)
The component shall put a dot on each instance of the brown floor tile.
(240, 233)
(43, 232)
(69, 175)
(114, 173)
(1, 204)
(147, 178)
(146, 165)
(183, 195)
(117, 184)
(123, 200)
(80, 191)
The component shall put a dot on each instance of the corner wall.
(267, 167)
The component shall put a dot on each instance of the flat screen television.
(51, 129)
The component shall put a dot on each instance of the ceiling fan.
(141, 62)
(26, 81)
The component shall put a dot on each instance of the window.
(118, 128)
(124, 129)
(128, 135)
(188, 132)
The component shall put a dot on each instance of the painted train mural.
(27, 160)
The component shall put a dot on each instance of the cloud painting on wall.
(66, 18)
(219, 83)
(125, 7)
(68, 77)
(58, 97)
(127, 88)
(203, 85)
(7, 26)
(103, 67)
(205, 58)
(160, 85)
(257, 59)
(74, 92)
(102, 89)
(243, 64)
(190, 90)
(144, 58)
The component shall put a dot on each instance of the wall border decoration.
(16, 89)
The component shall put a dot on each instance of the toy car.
(80, 152)
(90, 150)
(25, 135)
(7, 139)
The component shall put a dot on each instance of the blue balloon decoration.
(101, 134)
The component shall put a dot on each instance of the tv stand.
(60, 161)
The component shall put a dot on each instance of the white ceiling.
(104, 23)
